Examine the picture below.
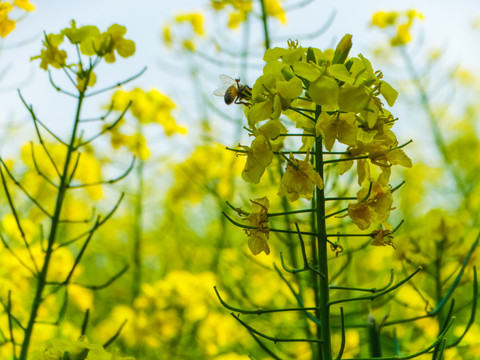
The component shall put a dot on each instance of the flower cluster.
(333, 99)
(148, 107)
(7, 25)
(195, 22)
(400, 22)
(90, 42)
(239, 10)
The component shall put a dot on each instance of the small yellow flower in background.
(403, 35)
(400, 21)
(412, 14)
(52, 55)
(81, 297)
(84, 36)
(235, 19)
(112, 40)
(136, 143)
(257, 238)
(195, 19)
(238, 10)
(24, 4)
(217, 4)
(6, 25)
(10, 228)
(299, 179)
(274, 9)
(382, 19)
(149, 107)
(167, 36)
(189, 45)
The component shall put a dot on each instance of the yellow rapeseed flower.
(6, 25)
(52, 55)
(24, 4)
(257, 238)
(382, 19)
(195, 19)
(167, 36)
(299, 179)
(274, 9)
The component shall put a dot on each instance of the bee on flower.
(234, 92)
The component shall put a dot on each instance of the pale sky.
(447, 24)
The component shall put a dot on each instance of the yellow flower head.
(257, 241)
(260, 154)
(6, 25)
(195, 19)
(274, 9)
(83, 36)
(52, 55)
(167, 36)
(372, 209)
(112, 40)
(382, 19)
(24, 4)
(299, 179)
(402, 23)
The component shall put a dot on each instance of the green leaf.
(388, 92)
(353, 98)
(324, 91)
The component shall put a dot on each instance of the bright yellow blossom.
(24, 4)
(6, 25)
(400, 21)
(274, 9)
(52, 55)
(260, 153)
(257, 238)
(299, 179)
(112, 40)
(374, 209)
(195, 19)
(382, 19)
(167, 36)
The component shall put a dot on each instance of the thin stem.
(265, 24)
(271, 338)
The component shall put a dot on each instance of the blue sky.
(447, 24)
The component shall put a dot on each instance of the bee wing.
(220, 92)
(227, 80)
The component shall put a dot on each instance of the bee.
(234, 92)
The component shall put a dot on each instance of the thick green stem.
(42, 276)
(322, 249)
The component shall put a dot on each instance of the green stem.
(42, 276)
(265, 24)
(322, 249)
